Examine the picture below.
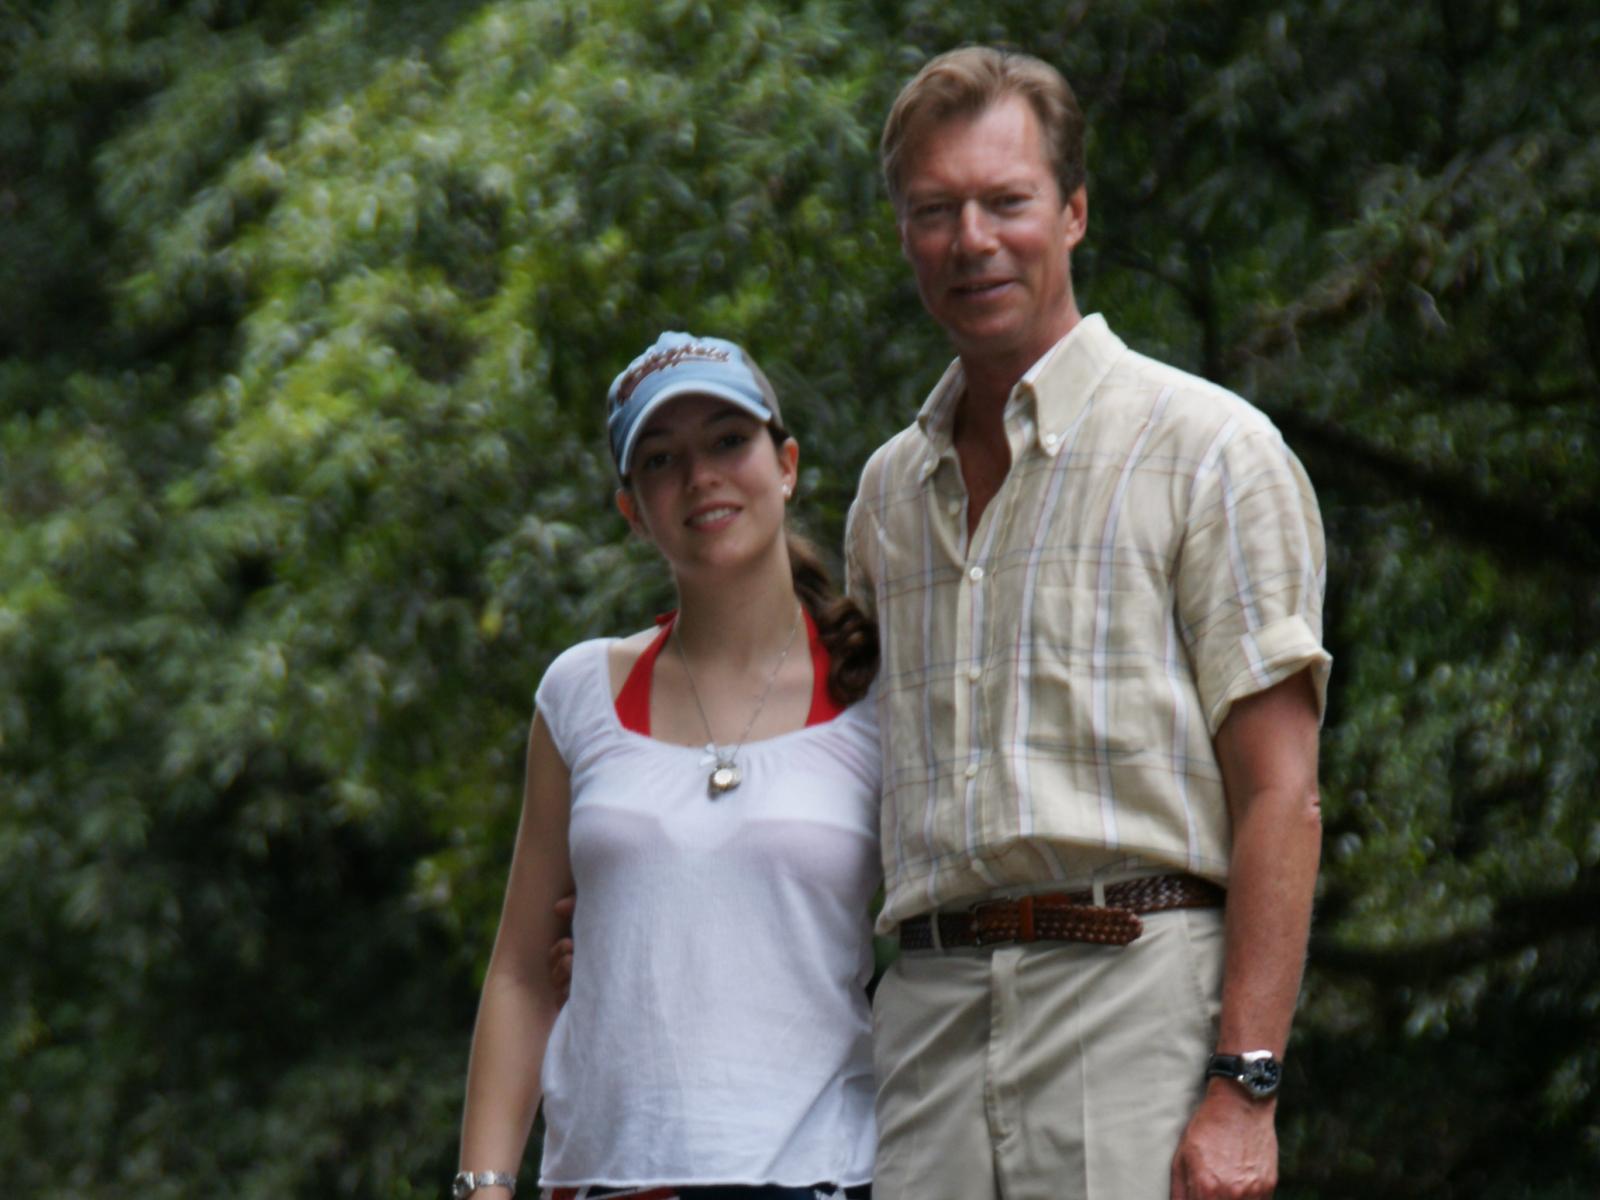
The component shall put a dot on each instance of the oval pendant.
(724, 778)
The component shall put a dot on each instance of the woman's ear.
(789, 465)
(629, 508)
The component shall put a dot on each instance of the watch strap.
(1225, 1066)
(468, 1182)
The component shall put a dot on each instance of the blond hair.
(966, 82)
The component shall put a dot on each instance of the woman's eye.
(654, 462)
(729, 441)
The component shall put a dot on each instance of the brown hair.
(845, 630)
(966, 82)
(850, 636)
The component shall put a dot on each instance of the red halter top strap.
(823, 706)
(633, 701)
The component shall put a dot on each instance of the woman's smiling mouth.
(707, 517)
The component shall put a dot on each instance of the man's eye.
(654, 462)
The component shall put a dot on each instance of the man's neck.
(979, 432)
(990, 377)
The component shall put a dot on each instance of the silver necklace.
(725, 774)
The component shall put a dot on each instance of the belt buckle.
(975, 912)
(1024, 926)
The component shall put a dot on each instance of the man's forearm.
(1276, 849)
(1267, 751)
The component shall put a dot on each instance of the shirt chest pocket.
(1110, 615)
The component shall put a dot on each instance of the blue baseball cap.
(681, 364)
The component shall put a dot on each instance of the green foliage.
(306, 311)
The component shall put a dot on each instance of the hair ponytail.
(850, 636)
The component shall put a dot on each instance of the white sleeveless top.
(718, 1028)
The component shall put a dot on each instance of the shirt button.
(975, 574)
(974, 673)
(972, 770)
(955, 507)
(1050, 439)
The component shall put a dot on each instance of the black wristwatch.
(1256, 1071)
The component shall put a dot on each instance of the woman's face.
(709, 485)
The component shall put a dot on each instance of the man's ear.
(1077, 225)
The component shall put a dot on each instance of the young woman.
(710, 787)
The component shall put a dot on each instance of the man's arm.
(1267, 750)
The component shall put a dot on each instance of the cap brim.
(676, 391)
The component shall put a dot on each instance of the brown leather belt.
(1063, 916)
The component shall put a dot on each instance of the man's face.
(983, 224)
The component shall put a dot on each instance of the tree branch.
(1517, 923)
(1331, 298)
(1526, 534)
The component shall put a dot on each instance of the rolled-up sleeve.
(1251, 573)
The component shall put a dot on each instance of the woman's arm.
(519, 1003)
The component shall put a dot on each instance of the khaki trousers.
(1054, 1071)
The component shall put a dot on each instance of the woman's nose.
(699, 469)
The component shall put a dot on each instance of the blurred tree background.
(306, 312)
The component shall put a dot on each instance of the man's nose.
(975, 232)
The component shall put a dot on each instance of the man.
(1099, 586)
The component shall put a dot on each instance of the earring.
(786, 491)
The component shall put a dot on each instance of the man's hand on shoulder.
(1230, 1149)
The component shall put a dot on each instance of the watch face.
(1262, 1076)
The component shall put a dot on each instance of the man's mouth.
(979, 288)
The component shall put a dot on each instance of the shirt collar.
(1059, 385)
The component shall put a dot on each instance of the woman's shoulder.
(856, 722)
(573, 669)
(623, 654)
(576, 666)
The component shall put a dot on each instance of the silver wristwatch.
(468, 1182)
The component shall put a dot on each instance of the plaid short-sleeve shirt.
(1051, 685)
